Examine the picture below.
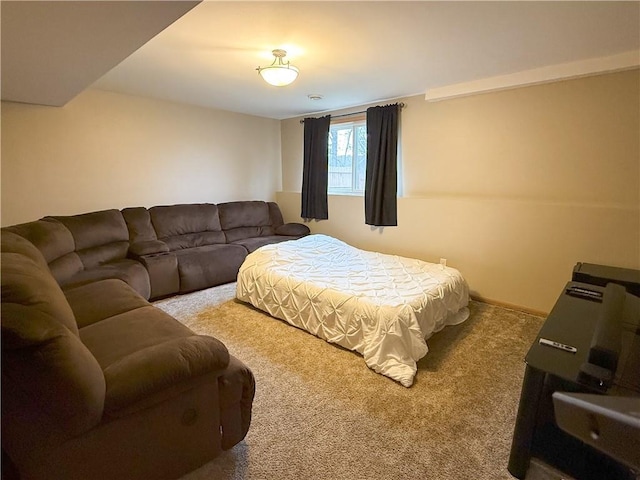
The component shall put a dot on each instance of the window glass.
(347, 158)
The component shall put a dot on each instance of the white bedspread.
(382, 306)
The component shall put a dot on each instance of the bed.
(382, 306)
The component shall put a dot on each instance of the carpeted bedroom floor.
(320, 413)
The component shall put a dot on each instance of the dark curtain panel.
(315, 168)
(381, 183)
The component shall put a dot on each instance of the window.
(347, 157)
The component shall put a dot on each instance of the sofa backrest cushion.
(139, 224)
(56, 244)
(252, 213)
(27, 281)
(275, 214)
(100, 237)
(11, 242)
(187, 226)
(245, 219)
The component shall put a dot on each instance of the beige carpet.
(320, 413)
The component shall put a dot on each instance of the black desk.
(572, 321)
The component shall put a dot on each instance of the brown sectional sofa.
(159, 251)
(96, 382)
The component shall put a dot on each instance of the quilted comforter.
(382, 306)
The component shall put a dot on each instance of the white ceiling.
(51, 51)
(354, 53)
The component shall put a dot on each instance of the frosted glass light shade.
(279, 75)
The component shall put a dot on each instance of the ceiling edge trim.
(551, 73)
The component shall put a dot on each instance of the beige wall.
(106, 150)
(512, 187)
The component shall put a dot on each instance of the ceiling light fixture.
(278, 73)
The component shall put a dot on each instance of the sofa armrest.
(148, 247)
(143, 375)
(237, 388)
(292, 229)
(52, 386)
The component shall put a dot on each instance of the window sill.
(346, 194)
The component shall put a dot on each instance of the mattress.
(383, 306)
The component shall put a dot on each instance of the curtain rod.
(401, 104)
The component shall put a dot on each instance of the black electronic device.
(594, 333)
(601, 275)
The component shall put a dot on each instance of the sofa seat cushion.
(127, 270)
(144, 352)
(241, 233)
(252, 244)
(116, 337)
(292, 229)
(96, 301)
(208, 266)
(193, 240)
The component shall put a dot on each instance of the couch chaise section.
(254, 224)
(97, 383)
